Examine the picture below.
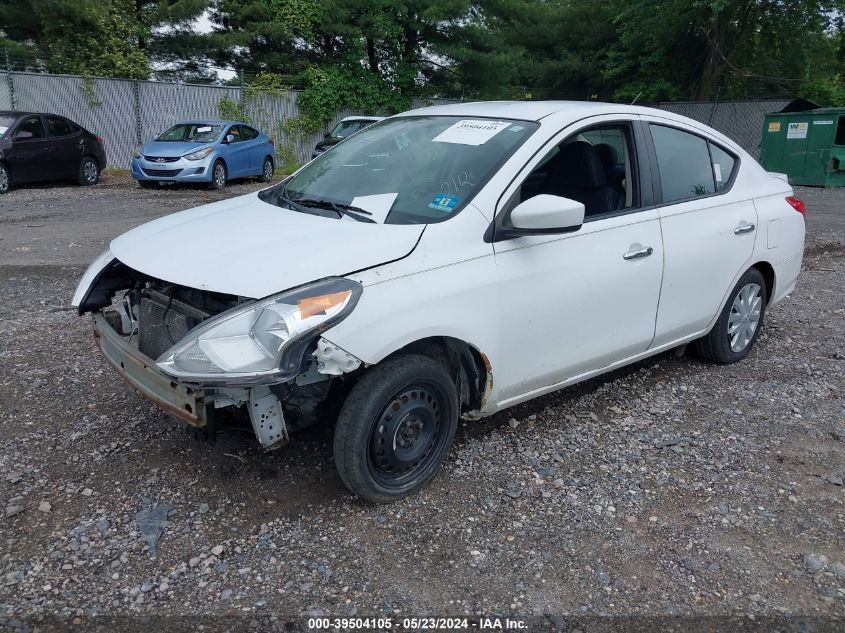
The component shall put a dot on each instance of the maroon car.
(36, 147)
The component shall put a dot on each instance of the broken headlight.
(263, 341)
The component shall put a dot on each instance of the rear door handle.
(643, 252)
(745, 228)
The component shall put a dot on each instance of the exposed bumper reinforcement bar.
(140, 371)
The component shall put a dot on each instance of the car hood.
(247, 247)
(170, 148)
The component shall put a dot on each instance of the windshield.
(192, 132)
(5, 124)
(348, 128)
(407, 170)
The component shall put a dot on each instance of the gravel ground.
(672, 487)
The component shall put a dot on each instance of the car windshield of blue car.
(405, 170)
(192, 132)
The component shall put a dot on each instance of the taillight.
(100, 140)
(797, 204)
(272, 142)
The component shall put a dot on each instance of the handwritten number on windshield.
(462, 179)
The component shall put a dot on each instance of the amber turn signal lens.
(311, 306)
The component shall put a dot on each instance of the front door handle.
(745, 228)
(643, 252)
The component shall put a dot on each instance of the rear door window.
(247, 133)
(683, 161)
(58, 127)
(723, 166)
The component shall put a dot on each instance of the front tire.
(5, 179)
(395, 428)
(218, 176)
(89, 172)
(739, 323)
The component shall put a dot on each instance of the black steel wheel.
(395, 428)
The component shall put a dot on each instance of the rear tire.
(739, 323)
(89, 172)
(267, 170)
(218, 175)
(395, 428)
(5, 179)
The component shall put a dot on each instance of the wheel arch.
(469, 367)
(768, 272)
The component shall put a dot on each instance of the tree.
(86, 37)
(704, 49)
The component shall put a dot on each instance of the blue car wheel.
(218, 175)
(267, 170)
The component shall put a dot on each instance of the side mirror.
(542, 215)
(23, 135)
(327, 135)
(230, 138)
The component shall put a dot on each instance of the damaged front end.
(193, 352)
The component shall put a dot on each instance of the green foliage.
(89, 91)
(81, 37)
(231, 110)
(826, 91)
(375, 56)
(331, 90)
(286, 158)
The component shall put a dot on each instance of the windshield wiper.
(356, 213)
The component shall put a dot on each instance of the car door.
(237, 153)
(31, 158)
(256, 150)
(709, 227)
(67, 145)
(576, 302)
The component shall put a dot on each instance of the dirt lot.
(670, 488)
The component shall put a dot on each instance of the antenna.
(637, 97)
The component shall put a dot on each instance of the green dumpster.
(807, 146)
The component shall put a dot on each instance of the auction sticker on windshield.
(3, 130)
(471, 132)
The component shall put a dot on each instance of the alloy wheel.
(4, 180)
(268, 170)
(89, 170)
(744, 317)
(219, 175)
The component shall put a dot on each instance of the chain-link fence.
(126, 113)
(741, 121)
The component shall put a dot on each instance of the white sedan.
(447, 262)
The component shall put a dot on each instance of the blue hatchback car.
(211, 152)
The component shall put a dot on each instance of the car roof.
(19, 113)
(362, 118)
(210, 122)
(529, 110)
